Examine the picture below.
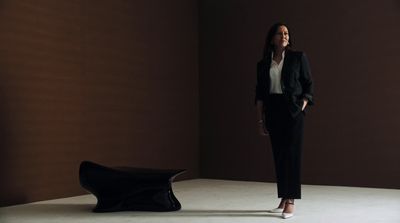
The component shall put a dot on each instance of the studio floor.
(205, 200)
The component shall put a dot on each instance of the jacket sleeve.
(258, 90)
(306, 80)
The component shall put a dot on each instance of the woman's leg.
(289, 206)
(293, 158)
(282, 204)
(286, 139)
(289, 209)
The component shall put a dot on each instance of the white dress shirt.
(275, 73)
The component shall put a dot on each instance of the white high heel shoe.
(276, 210)
(288, 215)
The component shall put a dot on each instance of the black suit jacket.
(296, 80)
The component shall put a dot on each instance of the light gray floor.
(205, 200)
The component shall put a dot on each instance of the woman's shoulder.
(298, 53)
(263, 61)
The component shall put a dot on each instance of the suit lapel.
(286, 63)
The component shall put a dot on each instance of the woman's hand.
(305, 101)
(261, 117)
(261, 129)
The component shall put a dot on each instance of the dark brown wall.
(352, 133)
(115, 82)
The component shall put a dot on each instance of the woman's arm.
(306, 82)
(260, 106)
(260, 118)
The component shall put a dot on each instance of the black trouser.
(286, 134)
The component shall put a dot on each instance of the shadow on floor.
(85, 210)
(48, 209)
(224, 213)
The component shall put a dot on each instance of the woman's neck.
(277, 56)
(278, 51)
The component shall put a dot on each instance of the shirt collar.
(283, 54)
(274, 62)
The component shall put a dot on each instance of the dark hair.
(268, 48)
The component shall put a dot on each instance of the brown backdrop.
(115, 82)
(352, 133)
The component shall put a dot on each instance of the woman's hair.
(268, 48)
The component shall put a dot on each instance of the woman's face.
(281, 38)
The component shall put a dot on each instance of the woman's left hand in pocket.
(305, 101)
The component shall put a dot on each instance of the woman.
(284, 89)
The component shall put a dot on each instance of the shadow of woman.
(225, 213)
(84, 211)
